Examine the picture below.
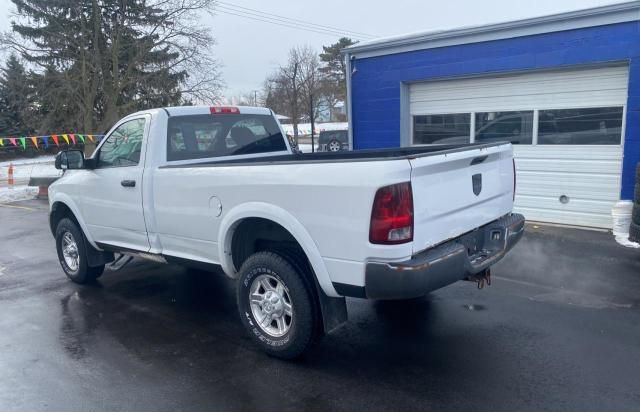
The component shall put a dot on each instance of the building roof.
(597, 16)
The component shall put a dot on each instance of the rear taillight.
(392, 215)
(514, 179)
(224, 109)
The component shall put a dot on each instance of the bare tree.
(311, 82)
(294, 89)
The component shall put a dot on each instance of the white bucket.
(621, 213)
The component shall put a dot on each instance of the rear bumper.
(442, 265)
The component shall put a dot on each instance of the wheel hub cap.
(70, 251)
(271, 305)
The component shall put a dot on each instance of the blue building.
(564, 89)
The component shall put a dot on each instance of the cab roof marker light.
(224, 110)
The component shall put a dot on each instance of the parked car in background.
(220, 187)
(333, 140)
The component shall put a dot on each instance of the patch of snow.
(23, 169)
(23, 161)
(304, 129)
(8, 195)
(305, 148)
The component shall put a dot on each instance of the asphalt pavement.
(558, 329)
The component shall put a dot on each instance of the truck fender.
(284, 219)
(67, 201)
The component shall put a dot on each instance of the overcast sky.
(250, 49)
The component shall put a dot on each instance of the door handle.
(128, 183)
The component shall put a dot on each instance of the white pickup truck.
(221, 187)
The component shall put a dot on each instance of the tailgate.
(444, 200)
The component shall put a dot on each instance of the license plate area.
(483, 243)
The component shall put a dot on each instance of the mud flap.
(96, 257)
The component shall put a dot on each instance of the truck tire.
(635, 214)
(72, 254)
(276, 305)
(634, 232)
(334, 146)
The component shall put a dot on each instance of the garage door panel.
(573, 205)
(517, 102)
(600, 193)
(608, 78)
(609, 181)
(569, 166)
(568, 152)
(566, 217)
(588, 175)
(591, 87)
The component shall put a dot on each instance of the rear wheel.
(72, 253)
(635, 214)
(276, 305)
(634, 232)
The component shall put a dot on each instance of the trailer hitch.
(481, 278)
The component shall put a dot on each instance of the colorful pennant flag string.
(38, 141)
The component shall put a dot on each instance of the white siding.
(588, 175)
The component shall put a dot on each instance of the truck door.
(111, 199)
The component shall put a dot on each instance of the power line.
(292, 20)
(278, 23)
(286, 21)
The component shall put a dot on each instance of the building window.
(442, 128)
(514, 127)
(596, 126)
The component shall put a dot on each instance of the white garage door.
(566, 127)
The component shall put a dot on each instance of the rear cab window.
(222, 135)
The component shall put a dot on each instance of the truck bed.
(347, 156)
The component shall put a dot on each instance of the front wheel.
(334, 146)
(276, 305)
(72, 253)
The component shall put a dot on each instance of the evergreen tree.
(334, 71)
(113, 57)
(56, 110)
(15, 100)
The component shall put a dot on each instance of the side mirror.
(70, 160)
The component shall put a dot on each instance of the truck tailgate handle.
(128, 183)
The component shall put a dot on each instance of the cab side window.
(122, 148)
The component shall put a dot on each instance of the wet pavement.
(559, 329)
